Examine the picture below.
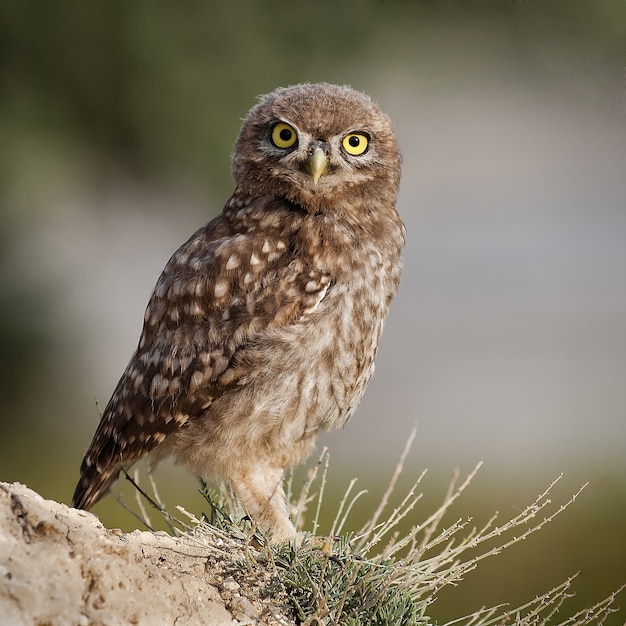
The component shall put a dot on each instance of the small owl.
(263, 327)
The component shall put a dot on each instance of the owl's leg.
(260, 490)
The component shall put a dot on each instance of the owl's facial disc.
(318, 164)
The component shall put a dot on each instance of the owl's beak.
(318, 164)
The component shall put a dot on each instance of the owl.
(263, 327)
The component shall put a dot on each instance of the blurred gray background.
(508, 339)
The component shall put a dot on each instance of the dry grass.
(376, 575)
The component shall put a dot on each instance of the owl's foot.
(261, 492)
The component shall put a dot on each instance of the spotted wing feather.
(229, 282)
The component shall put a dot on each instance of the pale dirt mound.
(62, 566)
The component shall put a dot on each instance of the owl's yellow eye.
(283, 135)
(355, 143)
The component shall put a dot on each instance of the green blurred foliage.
(158, 88)
(154, 91)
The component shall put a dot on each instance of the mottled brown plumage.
(263, 327)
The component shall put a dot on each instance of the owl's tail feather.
(93, 486)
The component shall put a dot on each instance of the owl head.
(317, 145)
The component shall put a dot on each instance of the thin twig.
(142, 509)
(390, 488)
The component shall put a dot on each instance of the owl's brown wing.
(217, 292)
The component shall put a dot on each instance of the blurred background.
(507, 341)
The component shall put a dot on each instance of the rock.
(60, 566)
